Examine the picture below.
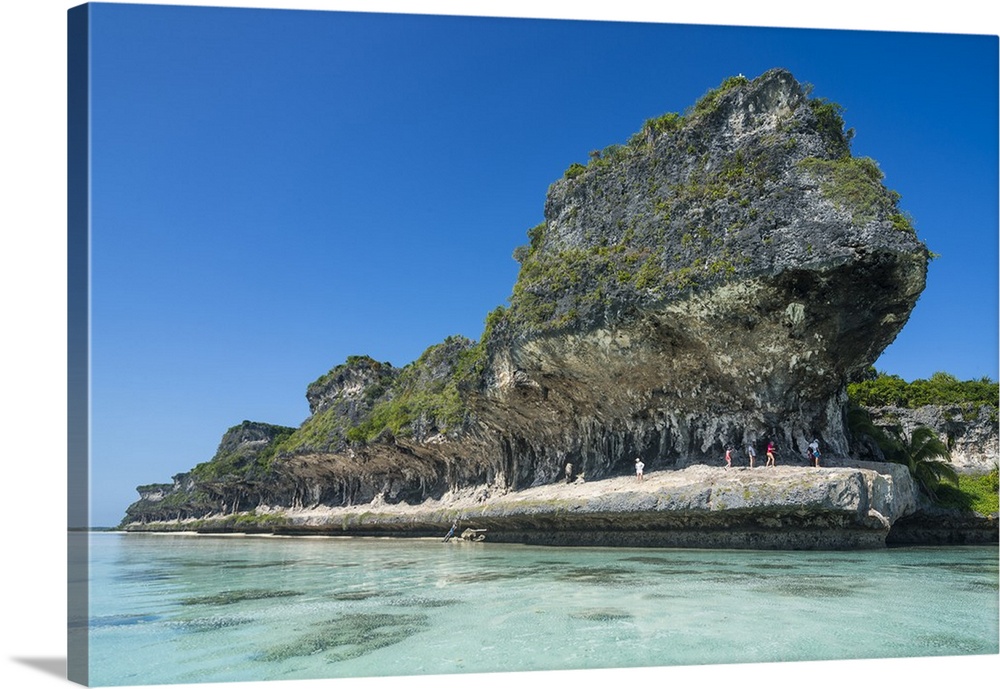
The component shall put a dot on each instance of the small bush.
(853, 184)
(829, 116)
(710, 101)
(902, 222)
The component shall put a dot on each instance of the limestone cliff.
(970, 432)
(714, 281)
(849, 505)
(240, 467)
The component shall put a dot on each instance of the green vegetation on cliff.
(830, 121)
(339, 400)
(855, 185)
(426, 391)
(320, 431)
(710, 101)
(654, 127)
(422, 397)
(353, 361)
(246, 450)
(584, 277)
(678, 207)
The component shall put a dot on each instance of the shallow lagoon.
(184, 609)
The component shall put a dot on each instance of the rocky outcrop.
(714, 281)
(970, 432)
(849, 506)
(237, 477)
(714, 284)
(935, 526)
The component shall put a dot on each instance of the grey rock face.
(970, 433)
(715, 281)
(155, 492)
(849, 506)
(247, 440)
(355, 385)
(713, 285)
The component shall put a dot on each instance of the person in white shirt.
(814, 452)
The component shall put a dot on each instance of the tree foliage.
(886, 390)
(925, 455)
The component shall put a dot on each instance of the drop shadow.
(51, 666)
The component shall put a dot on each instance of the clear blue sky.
(276, 190)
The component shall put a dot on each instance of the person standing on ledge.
(729, 457)
(751, 453)
(814, 452)
(638, 469)
(770, 454)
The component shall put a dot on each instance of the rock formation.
(714, 281)
(971, 433)
(240, 467)
(850, 505)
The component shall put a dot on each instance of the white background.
(33, 336)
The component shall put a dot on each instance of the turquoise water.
(185, 609)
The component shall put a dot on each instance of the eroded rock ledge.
(849, 506)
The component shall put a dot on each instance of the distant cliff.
(963, 414)
(716, 280)
(971, 433)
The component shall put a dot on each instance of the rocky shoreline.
(848, 506)
(713, 283)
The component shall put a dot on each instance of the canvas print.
(409, 345)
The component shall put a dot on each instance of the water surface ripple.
(183, 609)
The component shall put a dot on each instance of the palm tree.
(859, 421)
(923, 453)
(928, 459)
